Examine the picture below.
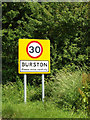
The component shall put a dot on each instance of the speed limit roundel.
(34, 49)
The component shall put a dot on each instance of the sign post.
(43, 88)
(25, 83)
(34, 58)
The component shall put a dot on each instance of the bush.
(65, 24)
(63, 88)
(34, 93)
(85, 91)
(12, 92)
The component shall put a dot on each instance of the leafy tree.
(65, 24)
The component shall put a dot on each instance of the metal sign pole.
(42, 87)
(25, 82)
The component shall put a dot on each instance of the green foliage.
(12, 92)
(85, 91)
(65, 24)
(38, 110)
(34, 93)
(63, 89)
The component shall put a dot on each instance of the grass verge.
(38, 110)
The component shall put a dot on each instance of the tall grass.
(63, 87)
(62, 98)
(38, 110)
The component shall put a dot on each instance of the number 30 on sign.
(34, 56)
(34, 49)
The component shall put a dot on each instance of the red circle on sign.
(32, 46)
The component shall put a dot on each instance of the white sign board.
(34, 66)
